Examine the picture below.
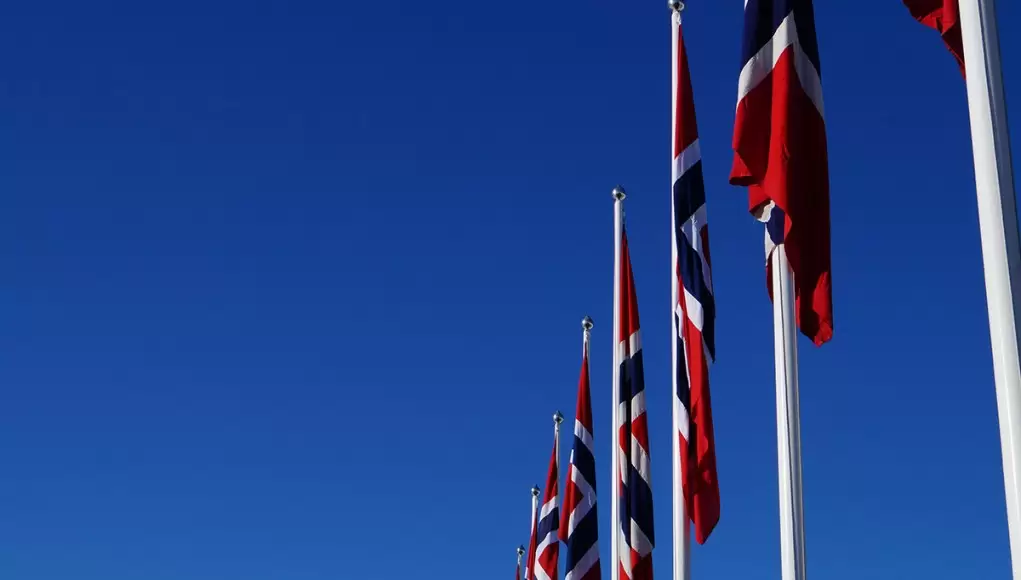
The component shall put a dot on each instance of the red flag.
(944, 16)
(780, 150)
(694, 313)
(547, 553)
(530, 561)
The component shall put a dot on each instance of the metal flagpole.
(618, 227)
(682, 531)
(1001, 248)
(558, 418)
(530, 566)
(521, 552)
(788, 422)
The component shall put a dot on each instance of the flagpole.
(558, 418)
(682, 531)
(788, 422)
(1001, 249)
(618, 228)
(530, 566)
(521, 552)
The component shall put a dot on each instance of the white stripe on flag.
(761, 65)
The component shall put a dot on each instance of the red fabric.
(530, 562)
(944, 16)
(780, 155)
(628, 297)
(549, 558)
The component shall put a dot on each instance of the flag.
(579, 528)
(547, 557)
(780, 150)
(694, 315)
(944, 16)
(530, 559)
(635, 529)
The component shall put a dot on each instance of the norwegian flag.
(944, 16)
(635, 539)
(780, 150)
(694, 310)
(579, 528)
(530, 559)
(547, 557)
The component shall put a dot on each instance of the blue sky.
(290, 290)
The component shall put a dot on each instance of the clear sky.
(290, 290)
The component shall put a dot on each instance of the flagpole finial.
(535, 491)
(618, 193)
(676, 5)
(521, 551)
(558, 418)
(586, 323)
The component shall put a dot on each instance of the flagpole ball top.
(521, 551)
(558, 418)
(618, 193)
(676, 5)
(535, 491)
(586, 323)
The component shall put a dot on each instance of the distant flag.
(517, 572)
(780, 150)
(547, 559)
(944, 16)
(529, 567)
(694, 316)
(635, 538)
(579, 526)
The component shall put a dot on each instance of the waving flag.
(579, 528)
(548, 552)
(944, 16)
(635, 538)
(694, 310)
(780, 150)
(530, 560)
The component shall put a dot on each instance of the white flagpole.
(618, 227)
(1001, 248)
(788, 422)
(521, 552)
(530, 566)
(682, 531)
(558, 418)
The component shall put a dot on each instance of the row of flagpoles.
(780, 156)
